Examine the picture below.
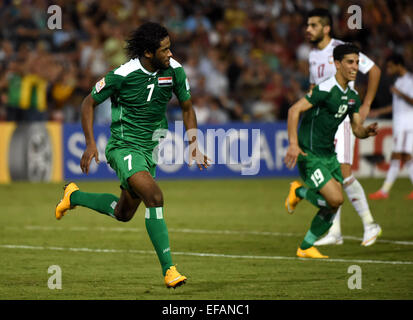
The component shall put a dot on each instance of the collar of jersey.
(327, 46)
(143, 69)
(338, 85)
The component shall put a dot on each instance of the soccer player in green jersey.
(323, 109)
(139, 91)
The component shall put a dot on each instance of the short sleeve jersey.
(139, 99)
(322, 66)
(331, 104)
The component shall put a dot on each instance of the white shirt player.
(322, 64)
(402, 110)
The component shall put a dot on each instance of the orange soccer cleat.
(173, 278)
(65, 204)
(292, 199)
(311, 252)
(378, 195)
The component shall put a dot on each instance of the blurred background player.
(322, 67)
(139, 90)
(402, 107)
(323, 108)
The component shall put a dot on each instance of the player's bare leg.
(127, 206)
(148, 190)
(333, 193)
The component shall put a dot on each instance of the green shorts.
(127, 162)
(316, 171)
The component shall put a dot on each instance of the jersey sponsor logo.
(165, 81)
(100, 84)
(351, 103)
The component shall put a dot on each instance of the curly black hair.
(147, 37)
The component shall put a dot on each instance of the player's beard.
(318, 38)
(158, 64)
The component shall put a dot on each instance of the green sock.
(320, 224)
(101, 202)
(313, 197)
(158, 233)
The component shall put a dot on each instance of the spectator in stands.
(232, 47)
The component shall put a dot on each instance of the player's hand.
(90, 153)
(371, 130)
(291, 157)
(200, 159)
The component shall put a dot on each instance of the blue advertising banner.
(235, 149)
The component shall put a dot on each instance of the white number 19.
(317, 177)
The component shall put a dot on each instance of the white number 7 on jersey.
(150, 87)
(129, 159)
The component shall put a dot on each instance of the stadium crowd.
(246, 60)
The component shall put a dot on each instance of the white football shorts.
(344, 141)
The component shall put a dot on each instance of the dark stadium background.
(246, 60)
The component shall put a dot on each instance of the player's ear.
(337, 63)
(327, 29)
(147, 54)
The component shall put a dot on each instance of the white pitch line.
(202, 231)
(405, 243)
(198, 254)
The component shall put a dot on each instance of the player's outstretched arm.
(360, 131)
(87, 112)
(381, 111)
(189, 118)
(372, 85)
(294, 150)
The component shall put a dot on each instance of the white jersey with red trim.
(322, 62)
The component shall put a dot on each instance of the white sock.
(336, 227)
(391, 176)
(357, 197)
(409, 166)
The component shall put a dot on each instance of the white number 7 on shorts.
(129, 159)
(317, 177)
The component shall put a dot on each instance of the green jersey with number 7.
(139, 99)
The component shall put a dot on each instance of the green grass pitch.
(231, 238)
